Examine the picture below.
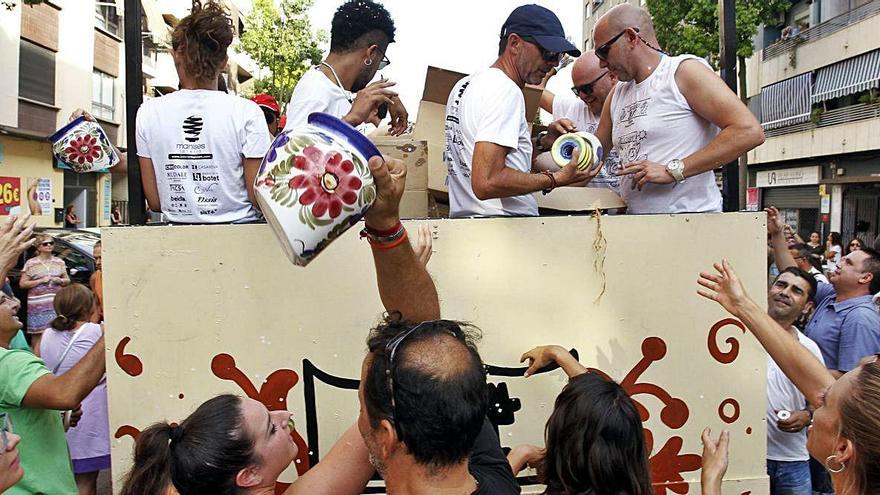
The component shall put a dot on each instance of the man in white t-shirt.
(672, 119)
(581, 111)
(359, 39)
(788, 414)
(488, 147)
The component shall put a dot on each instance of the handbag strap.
(67, 349)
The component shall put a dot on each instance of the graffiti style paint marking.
(720, 356)
(722, 411)
(668, 464)
(129, 430)
(272, 394)
(129, 363)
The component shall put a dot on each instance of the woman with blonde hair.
(42, 276)
(72, 334)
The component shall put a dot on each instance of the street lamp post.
(134, 84)
(727, 22)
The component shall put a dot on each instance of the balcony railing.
(845, 115)
(819, 31)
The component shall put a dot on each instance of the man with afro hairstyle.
(340, 85)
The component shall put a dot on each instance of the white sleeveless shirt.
(653, 121)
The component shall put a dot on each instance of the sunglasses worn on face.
(47, 244)
(602, 51)
(5, 430)
(546, 55)
(587, 89)
(384, 63)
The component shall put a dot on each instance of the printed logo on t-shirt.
(633, 111)
(192, 128)
(630, 146)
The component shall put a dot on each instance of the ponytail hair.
(201, 455)
(73, 303)
(202, 38)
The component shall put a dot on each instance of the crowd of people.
(423, 394)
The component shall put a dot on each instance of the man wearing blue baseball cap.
(488, 146)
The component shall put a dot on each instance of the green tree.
(280, 39)
(691, 26)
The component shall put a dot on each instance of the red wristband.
(398, 242)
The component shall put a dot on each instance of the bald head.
(627, 15)
(585, 68)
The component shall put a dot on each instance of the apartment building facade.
(815, 87)
(62, 55)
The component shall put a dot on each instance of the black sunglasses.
(602, 51)
(587, 89)
(548, 56)
(48, 243)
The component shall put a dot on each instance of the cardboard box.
(430, 125)
(413, 152)
(414, 204)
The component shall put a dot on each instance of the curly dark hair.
(360, 23)
(203, 36)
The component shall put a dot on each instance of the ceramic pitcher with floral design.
(314, 183)
(83, 146)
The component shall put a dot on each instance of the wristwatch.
(676, 170)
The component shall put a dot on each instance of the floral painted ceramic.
(314, 183)
(83, 146)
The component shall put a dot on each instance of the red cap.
(267, 101)
(282, 122)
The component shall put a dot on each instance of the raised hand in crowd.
(714, 462)
(424, 246)
(366, 103)
(16, 236)
(404, 284)
(544, 355)
(523, 456)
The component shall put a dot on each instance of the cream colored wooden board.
(184, 295)
(580, 199)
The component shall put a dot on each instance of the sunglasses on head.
(587, 89)
(548, 56)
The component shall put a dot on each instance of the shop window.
(103, 95)
(36, 73)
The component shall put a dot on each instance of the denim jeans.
(821, 479)
(789, 477)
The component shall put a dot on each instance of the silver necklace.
(338, 82)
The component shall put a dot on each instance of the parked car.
(75, 247)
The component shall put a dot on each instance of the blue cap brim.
(557, 44)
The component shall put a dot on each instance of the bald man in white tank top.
(672, 119)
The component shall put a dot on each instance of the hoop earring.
(828, 461)
(368, 62)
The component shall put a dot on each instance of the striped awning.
(786, 102)
(847, 77)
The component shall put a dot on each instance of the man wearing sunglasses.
(488, 145)
(672, 119)
(359, 39)
(581, 111)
